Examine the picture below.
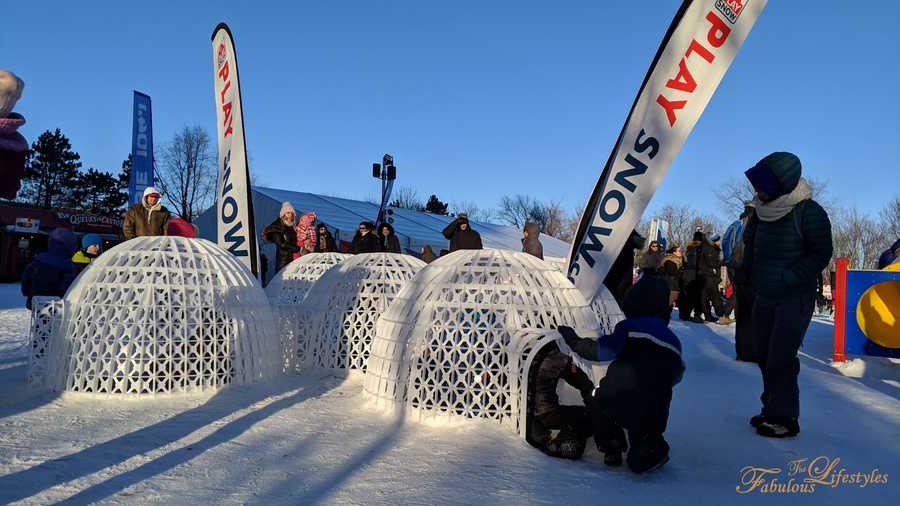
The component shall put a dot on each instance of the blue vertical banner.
(141, 149)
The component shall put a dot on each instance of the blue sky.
(475, 100)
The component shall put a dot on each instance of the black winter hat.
(648, 297)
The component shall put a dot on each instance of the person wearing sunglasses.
(365, 240)
(651, 260)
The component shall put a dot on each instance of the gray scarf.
(779, 208)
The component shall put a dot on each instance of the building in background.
(24, 231)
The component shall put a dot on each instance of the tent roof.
(421, 227)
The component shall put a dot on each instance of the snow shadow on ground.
(814, 354)
(32, 481)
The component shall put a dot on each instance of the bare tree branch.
(187, 177)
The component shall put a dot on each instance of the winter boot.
(757, 420)
(568, 444)
(778, 428)
(612, 459)
(650, 453)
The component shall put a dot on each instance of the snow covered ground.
(311, 439)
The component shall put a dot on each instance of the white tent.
(415, 229)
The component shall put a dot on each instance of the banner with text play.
(695, 53)
(234, 205)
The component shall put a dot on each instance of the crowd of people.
(294, 238)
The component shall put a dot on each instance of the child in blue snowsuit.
(636, 392)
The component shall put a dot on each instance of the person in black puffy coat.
(787, 244)
(365, 240)
(281, 233)
(51, 272)
(461, 235)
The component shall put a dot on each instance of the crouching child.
(547, 415)
(636, 392)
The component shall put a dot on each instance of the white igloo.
(337, 319)
(292, 282)
(443, 349)
(157, 315)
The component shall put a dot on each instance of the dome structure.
(290, 285)
(442, 350)
(158, 315)
(337, 318)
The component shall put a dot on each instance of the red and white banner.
(234, 205)
(694, 55)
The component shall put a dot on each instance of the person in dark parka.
(365, 240)
(325, 242)
(531, 240)
(636, 392)
(461, 235)
(787, 244)
(711, 272)
(52, 271)
(388, 239)
(281, 233)
(651, 260)
(545, 413)
(693, 306)
(621, 275)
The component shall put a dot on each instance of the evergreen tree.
(121, 199)
(51, 172)
(98, 192)
(435, 206)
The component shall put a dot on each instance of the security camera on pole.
(387, 173)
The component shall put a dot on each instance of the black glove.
(585, 347)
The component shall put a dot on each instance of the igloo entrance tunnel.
(337, 318)
(157, 315)
(442, 350)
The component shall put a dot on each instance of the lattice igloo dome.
(157, 315)
(337, 319)
(290, 285)
(441, 352)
